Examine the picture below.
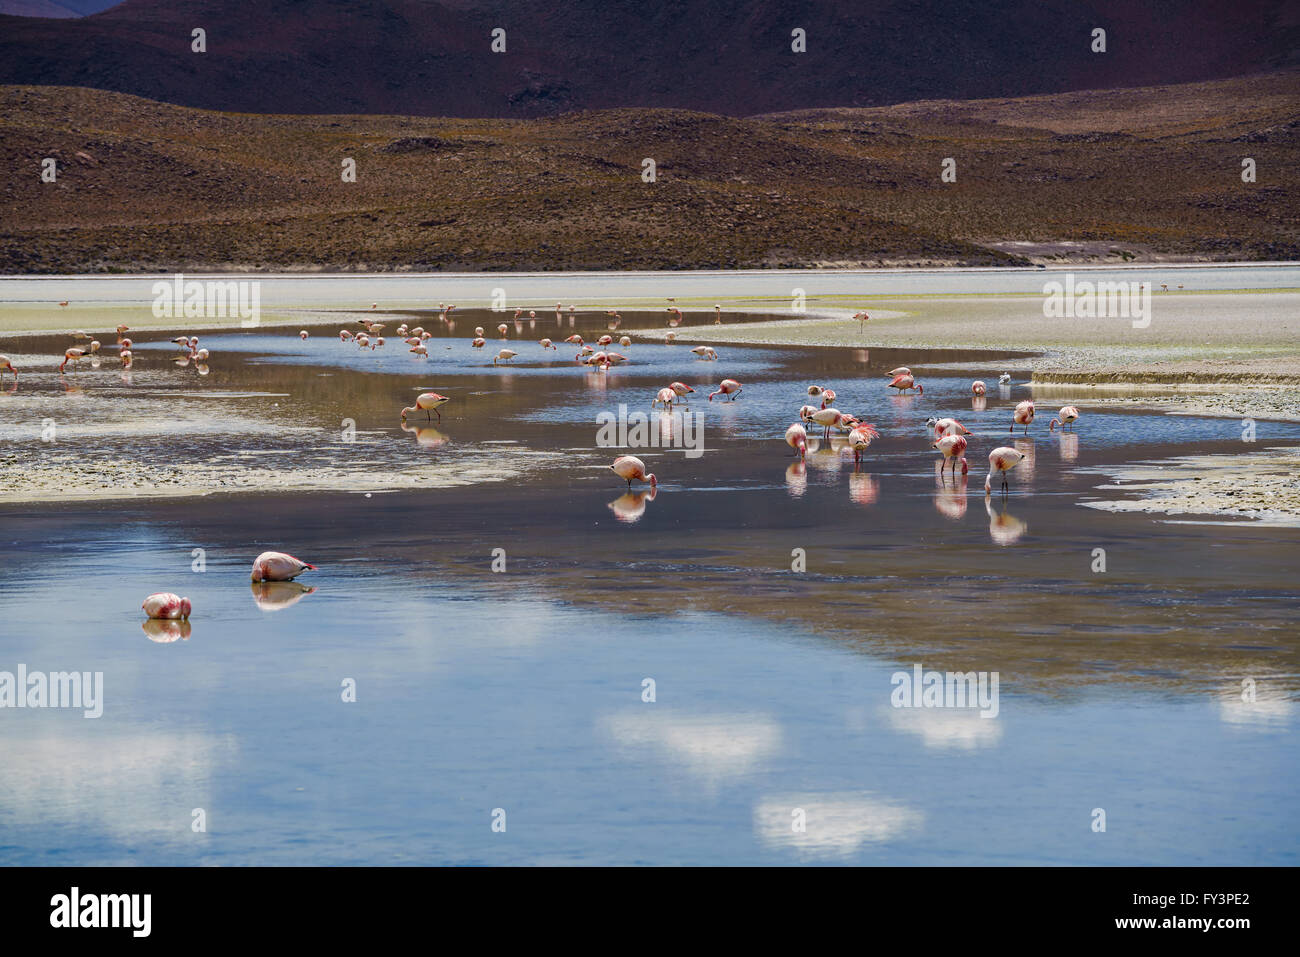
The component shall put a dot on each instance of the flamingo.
(727, 387)
(1067, 415)
(944, 427)
(303, 334)
(797, 438)
(504, 355)
(670, 338)
(860, 437)
(814, 390)
(904, 381)
(418, 331)
(503, 328)
(420, 351)
(166, 606)
(1004, 379)
(861, 316)
(828, 397)
(1024, 414)
(625, 341)
(126, 357)
(681, 388)
(574, 339)
(717, 314)
(978, 388)
(478, 343)
(676, 320)
(71, 355)
(630, 467)
(806, 412)
(614, 358)
(1002, 459)
(5, 364)
(478, 330)
(895, 373)
(121, 331)
(546, 344)
(80, 334)
(429, 402)
(184, 343)
(827, 418)
(278, 567)
(200, 356)
(705, 352)
(666, 396)
(953, 448)
(64, 303)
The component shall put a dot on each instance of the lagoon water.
(523, 689)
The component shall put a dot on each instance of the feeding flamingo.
(681, 388)
(420, 351)
(429, 402)
(547, 344)
(727, 387)
(978, 388)
(631, 468)
(944, 427)
(860, 437)
(166, 606)
(278, 567)
(1023, 415)
(1002, 459)
(797, 438)
(5, 364)
(828, 396)
(666, 396)
(1066, 416)
(903, 382)
(828, 418)
(953, 448)
(705, 352)
(895, 373)
(72, 355)
(504, 355)
(478, 343)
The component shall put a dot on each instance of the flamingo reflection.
(1069, 446)
(630, 506)
(1004, 529)
(949, 497)
(426, 437)
(863, 488)
(796, 479)
(274, 596)
(165, 632)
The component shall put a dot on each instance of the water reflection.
(950, 497)
(630, 506)
(1025, 470)
(273, 596)
(426, 437)
(948, 728)
(165, 631)
(1004, 529)
(1069, 446)
(831, 825)
(863, 488)
(713, 748)
(796, 479)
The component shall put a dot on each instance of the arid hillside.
(1097, 176)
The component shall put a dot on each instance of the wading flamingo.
(681, 388)
(1002, 459)
(1024, 414)
(420, 351)
(478, 330)
(670, 337)
(814, 390)
(828, 418)
(944, 427)
(6, 365)
(625, 341)
(828, 397)
(860, 437)
(1065, 417)
(797, 438)
(630, 468)
(429, 402)
(895, 373)
(504, 355)
(503, 328)
(166, 606)
(727, 387)
(303, 334)
(705, 352)
(904, 382)
(71, 355)
(574, 339)
(278, 567)
(478, 343)
(547, 344)
(978, 387)
(953, 448)
(666, 397)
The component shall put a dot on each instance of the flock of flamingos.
(949, 435)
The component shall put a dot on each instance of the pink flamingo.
(344, 336)
(547, 344)
(904, 381)
(1024, 414)
(666, 396)
(978, 387)
(574, 339)
(860, 437)
(504, 355)
(303, 334)
(828, 418)
(1067, 415)
(429, 402)
(166, 606)
(5, 364)
(681, 388)
(71, 355)
(1002, 459)
(797, 438)
(895, 373)
(630, 467)
(279, 567)
(953, 448)
(950, 427)
(814, 390)
(605, 340)
(478, 343)
(727, 387)
(420, 351)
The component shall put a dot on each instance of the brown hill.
(425, 58)
(1122, 174)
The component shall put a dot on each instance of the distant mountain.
(723, 56)
(54, 8)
